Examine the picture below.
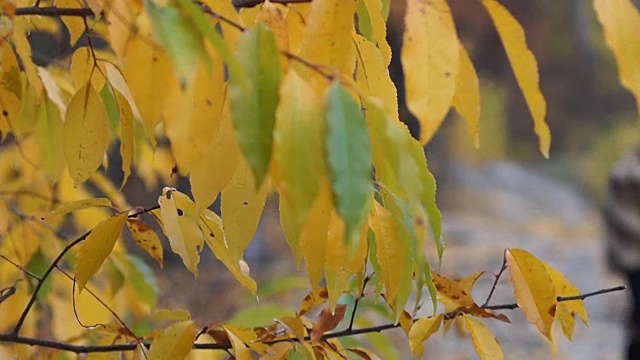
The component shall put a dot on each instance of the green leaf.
(143, 280)
(254, 97)
(179, 36)
(364, 22)
(349, 159)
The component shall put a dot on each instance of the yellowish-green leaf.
(567, 310)
(379, 28)
(621, 22)
(49, 136)
(127, 135)
(373, 76)
(175, 342)
(86, 133)
(223, 155)
(119, 84)
(313, 236)
(211, 224)
(327, 39)
(421, 331)
(392, 253)
(80, 205)
(430, 62)
(242, 204)
(298, 153)
(180, 224)
(97, 247)
(533, 288)
(179, 36)
(10, 89)
(349, 159)
(146, 238)
(524, 66)
(484, 342)
(466, 99)
(254, 97)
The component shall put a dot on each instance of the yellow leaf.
(566, 310)
(85, 133)
(484, 342)
(127, 135)
(275, 16)
(533, 289)
(117, 81)
(223, 155)
(49, 135)
(121, 17)
(340, 262)
(97, 247)
(379, 25)
(240, 350)
(180, 224)
(621, 22)
(466, 99)
(392, 253)
(327, 39)
(430, 62)
(193, 115)
(10, 89)
(85, 68)
(74, 24)
(211, 224)
(313, 236)
(373, 72)
(80, 205)
(23, 49)
(146, 238)
(242, 205)
(421, 331)
(175, 342)
(147, 68)
(524, 66)
(298, 153)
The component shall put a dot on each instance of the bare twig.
(357, 301)
(497, 278)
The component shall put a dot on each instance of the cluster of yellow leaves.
(538, 290)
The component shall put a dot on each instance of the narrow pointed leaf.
(621, 22)
(349, 158)
(97, 247)
(466, 99)
(484, 342)
(430, 62)
(146, 238)
(525, 68)
(254, 97)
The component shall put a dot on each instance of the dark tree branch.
(495, 282)
(53, 265)
(79, 349)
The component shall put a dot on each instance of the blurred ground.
(487, 208)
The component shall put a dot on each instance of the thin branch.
(357, 301)
(78, 349)
(495, 282)
(53, 265)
